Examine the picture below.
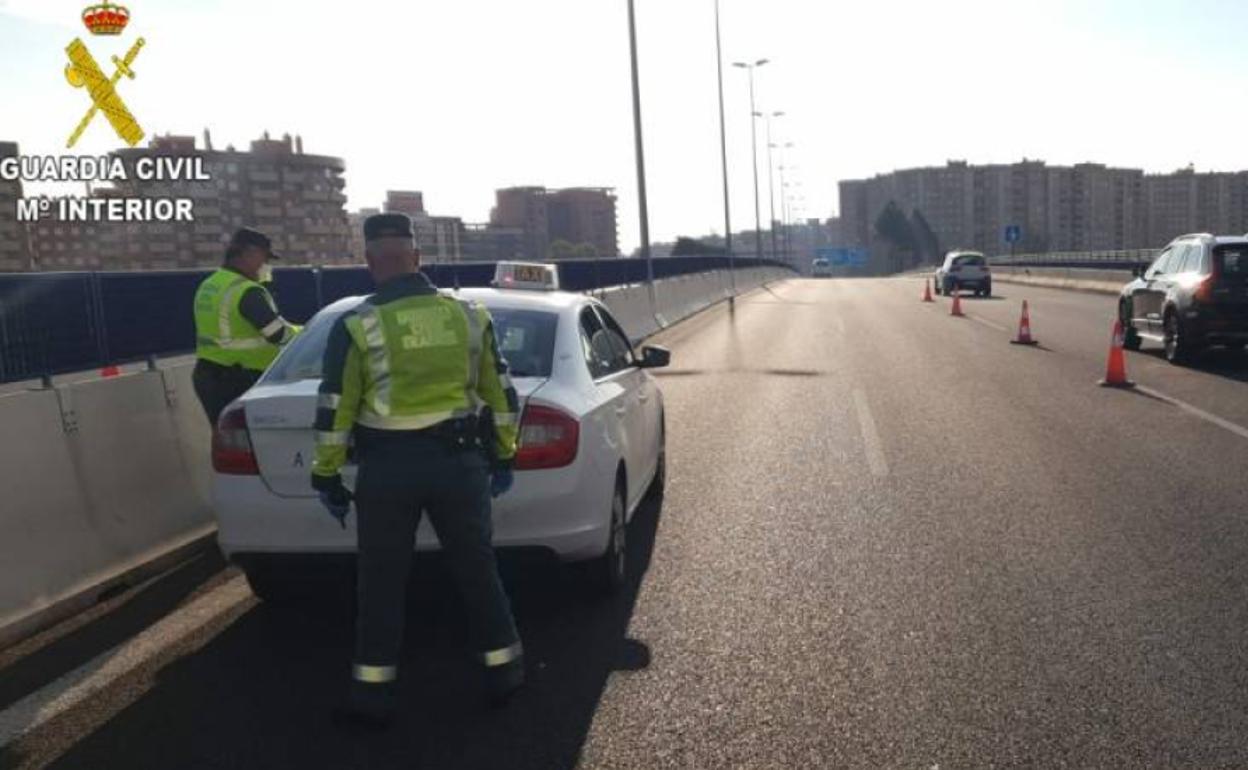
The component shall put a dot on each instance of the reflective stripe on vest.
(374, 674)
(376, 357)
(494, 658)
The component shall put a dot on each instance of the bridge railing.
(1124, 259)
(55, 323)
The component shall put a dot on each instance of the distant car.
(964, 270)
(592, 443)
(1195, 294)
(821, 268)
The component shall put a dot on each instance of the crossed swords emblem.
(82, 71)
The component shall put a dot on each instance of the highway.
(890, 539)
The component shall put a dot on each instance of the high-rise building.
(1087, 207)
(410, 202)
(295, 198)
(579, 216)
(14, 240)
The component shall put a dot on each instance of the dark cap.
(387, 226)
(246, 236)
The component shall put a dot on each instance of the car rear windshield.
(1232, 261)
(526, 339)
(971, 261)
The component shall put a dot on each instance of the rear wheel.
(987, 290)
(608, 573)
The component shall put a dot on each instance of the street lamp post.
(641, 156)
(771, 184)
(758, 219)
(723, 155)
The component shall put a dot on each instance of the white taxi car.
(592, 440)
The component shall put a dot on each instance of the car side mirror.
(655, 357)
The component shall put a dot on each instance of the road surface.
(890, 539)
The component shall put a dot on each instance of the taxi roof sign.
(526, 275)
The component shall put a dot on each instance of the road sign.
(840, 257)
(1013, 234)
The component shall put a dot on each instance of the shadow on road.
(258, 695)
(1218, 361)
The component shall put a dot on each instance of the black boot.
(368, 707)
(503, 682)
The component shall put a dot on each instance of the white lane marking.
(1238, 430)
(101, 671)
(988, 323)
(870, 437)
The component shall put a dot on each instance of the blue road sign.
(1013, 234)
(840, 257)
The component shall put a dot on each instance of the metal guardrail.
(55, 323)
(1093, 260)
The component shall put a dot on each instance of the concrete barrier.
(108, 482)
(1077, 279)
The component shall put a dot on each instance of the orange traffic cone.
(1024, 329)
(927, 291)
(1116, 370)
(957, 304)
(110, 371)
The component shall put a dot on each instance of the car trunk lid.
(280, 420)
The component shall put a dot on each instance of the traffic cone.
(110, 371)
(927, 291)
(1116, 370)
(957, 305)
(1024, 329)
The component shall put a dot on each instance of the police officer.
(414, 377)
(238, 331)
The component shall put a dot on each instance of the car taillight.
(1204, 290)
(548, 439)
(231, 445)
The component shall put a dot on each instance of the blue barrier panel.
(296, 291)
(52, 323)
(145, 314)
(49, 323)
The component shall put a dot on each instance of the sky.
(459, 98)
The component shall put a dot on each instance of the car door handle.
(621, 410)
(642, 397)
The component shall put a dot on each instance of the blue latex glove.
(501, 481)
(338, 503)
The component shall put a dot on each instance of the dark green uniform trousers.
(402, 474)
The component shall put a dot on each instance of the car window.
(623, 351)
(1191, 260)
(595, 344)
(1159, 266)
(1232, 262)
(970, 260)
(525, 338)
(302, 359)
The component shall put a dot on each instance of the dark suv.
(1195, 294)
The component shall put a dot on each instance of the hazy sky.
(459, 97)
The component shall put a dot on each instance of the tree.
(561, 249)
(927, 240)
(893, 226)
(584, 251)
(692, 247)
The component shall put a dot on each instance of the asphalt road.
(890, 539)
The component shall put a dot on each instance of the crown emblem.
(106, 18)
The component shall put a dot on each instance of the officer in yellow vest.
(238, 331)
(414, 378)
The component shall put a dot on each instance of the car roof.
(512, 299)
(1221, 240)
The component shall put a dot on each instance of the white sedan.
(592, 439)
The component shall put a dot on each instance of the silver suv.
(964, 270)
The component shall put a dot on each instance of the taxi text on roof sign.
(526, 275)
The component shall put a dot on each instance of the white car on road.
(592, 439)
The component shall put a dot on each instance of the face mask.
(266, 274)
